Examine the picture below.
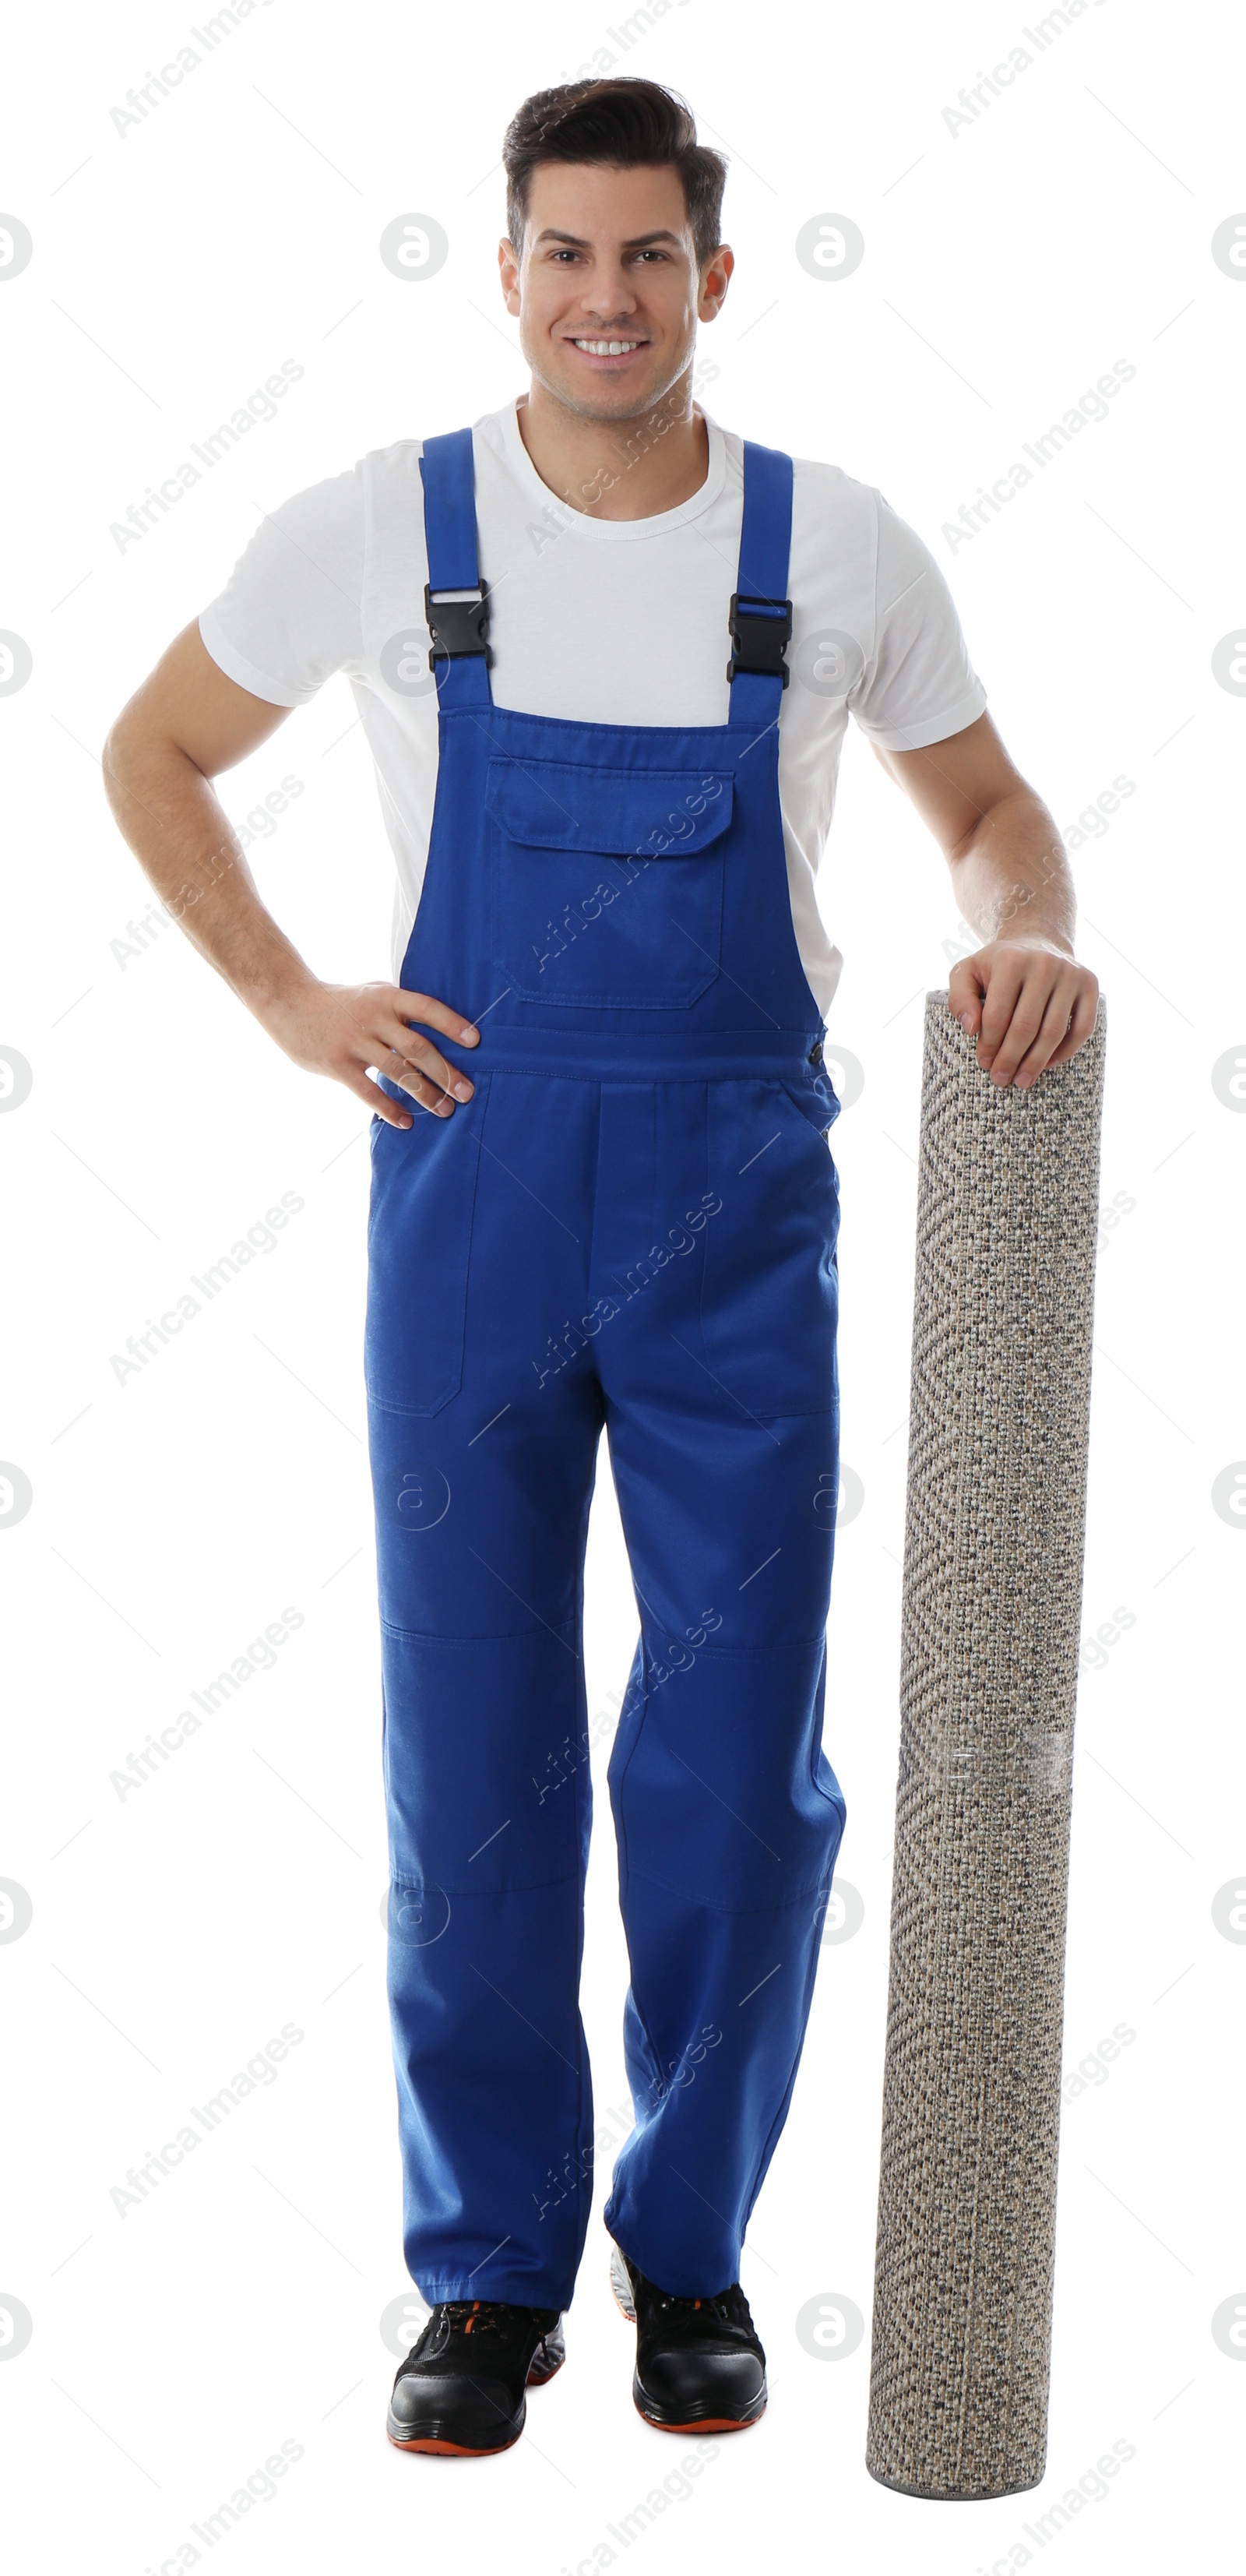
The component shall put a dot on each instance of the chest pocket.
(607, 883)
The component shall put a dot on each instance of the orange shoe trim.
(706, 2423)
(454, 2450)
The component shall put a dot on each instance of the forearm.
(183, 840)
(1023, 995)
(1011, 877)
(167, 810)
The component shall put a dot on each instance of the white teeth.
(607, 348)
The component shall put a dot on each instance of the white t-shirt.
(605, 621)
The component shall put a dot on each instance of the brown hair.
(628, 124)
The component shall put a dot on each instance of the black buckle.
(757, 642)
(458, 627)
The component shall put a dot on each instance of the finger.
(1052, 1029)
(418, 1050)
(1025, 1018)
(422, 1087)
(403, 1047)
(436, 1015)
(965, 987)
(373, 1048)
(1069, 1017)
(1084, 1022)
(418, 1086)
(430, 1096)
(1003, 982)
(378, 1101)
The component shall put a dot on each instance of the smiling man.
(605, 653)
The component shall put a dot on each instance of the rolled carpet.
(1006, 1234)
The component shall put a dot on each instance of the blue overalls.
(632, 1223)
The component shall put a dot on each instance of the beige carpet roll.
(1006, 1229)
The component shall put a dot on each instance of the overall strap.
(761, 612)
(455, 598)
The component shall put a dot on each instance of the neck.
(619, 469)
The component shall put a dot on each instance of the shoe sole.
(626, 2306)
(703, 2424)
(538, 2377)
(432, 2447)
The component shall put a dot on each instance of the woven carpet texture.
(1006, 1233)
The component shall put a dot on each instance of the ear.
(715, 279)
(509, 264)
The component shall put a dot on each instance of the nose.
(608, 298)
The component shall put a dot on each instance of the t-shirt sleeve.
(290, 613)
(918, 685)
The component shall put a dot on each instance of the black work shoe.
(461, 2387)
(700, 2367)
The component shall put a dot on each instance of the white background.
(1007, 265)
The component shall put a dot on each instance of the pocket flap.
(649, 814)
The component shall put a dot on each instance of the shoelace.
(727, 2307)
(471, 2316)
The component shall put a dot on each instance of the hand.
(342, 1029)
(1029, 1004)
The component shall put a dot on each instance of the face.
(608, 293)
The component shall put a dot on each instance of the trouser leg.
(482, 1508)
(727, 1812)
(729, 1820)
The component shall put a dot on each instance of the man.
(601, 1196)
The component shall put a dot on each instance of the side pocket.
(816, 1100)
(420, 1219)
(770, 1288)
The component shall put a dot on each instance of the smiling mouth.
(607, 348)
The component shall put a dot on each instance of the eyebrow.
(638, 242)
